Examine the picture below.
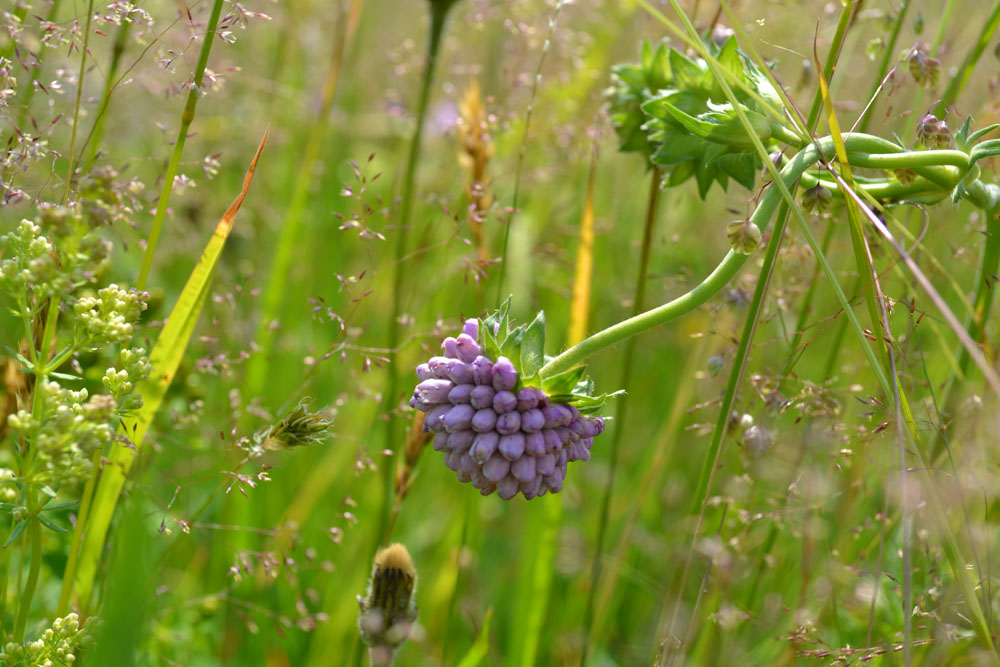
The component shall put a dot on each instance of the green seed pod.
(932, 132)
(925, 70)
(816, 199)
(744, 236)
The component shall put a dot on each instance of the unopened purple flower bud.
(504, 374)
(424, 372)
(460, 441)
(599, 425)
(587, 442)
(463, 476)
(523, 468)
(577, 427)
(554, 482)
(545, 465)
(534, 443)
(561, 458)
(432, 422)
(553, 443)
(509, 422)
(553, 415)
(468, 464)
(504, 401)
(527, 399)
(566, 436)
(488, 489)
(479, 479)
(471, 328)
(484, 445)
(482, 371)
(496, 468)
(460, 372)
(450, 347)
(482, 396)
(441, 442)
(484, 420)
(512, 446)
(508, 487)
(431, 392)
(453, 459)
(460, 393)
(459, 418)
(532, 421)
(532, 488)
(468, 348)
(438, 367)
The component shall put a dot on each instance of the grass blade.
(165, 358)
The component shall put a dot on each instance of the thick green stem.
(187, 117)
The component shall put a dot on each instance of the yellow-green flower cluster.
(56, 647)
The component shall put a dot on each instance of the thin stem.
(438, 15)
(97, 130)
(971, 58)
(524, 147)
(28, 594)
(79, 95)
(887, 56)
(621, 409)
(29, 93)
(187, 117)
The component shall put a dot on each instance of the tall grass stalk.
(187, 117)
(553, 22)
(71, 156)
(439, 14)
(276, 290)
(117, 51)
(621, 406)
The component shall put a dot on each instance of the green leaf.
(686, 73)
(975, 136)
(62, 505)
(165, 358)
(51, 525)
(986, 149)
(477, 652)
(8, 507)
(533, 347)
(562, 383)
(742, 167)
(16, 533)
(65, 376)
(14, 354)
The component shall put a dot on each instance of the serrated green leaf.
(16, 533)
(533, 346)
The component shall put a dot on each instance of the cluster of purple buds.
(493, 434)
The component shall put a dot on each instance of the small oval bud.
(504, 401)
(468, 348)
(512, 445)
(509, 422)
(460, 372)
(508, 487)
(527, 399)
(484, 420)
(532, 421)
(460, 441)
(545, 464)
(471, 328)
(496, 468)
(504, 374)
(523, 468)
(432, 422)
(744, 236)
(482, 371)
(450, 347)
(534, 443)
(461, 393)
(484, 445)
(482, 396)
(933, 133)
(459, 418)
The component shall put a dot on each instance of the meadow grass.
(802, 471)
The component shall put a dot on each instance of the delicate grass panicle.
(802, 469)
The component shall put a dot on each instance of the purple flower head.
(500, 437)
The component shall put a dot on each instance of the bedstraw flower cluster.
(56, 646)
(498, 428)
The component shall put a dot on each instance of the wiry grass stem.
(187, 117)
(71, 156)
(439, 13)
(621, 407)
